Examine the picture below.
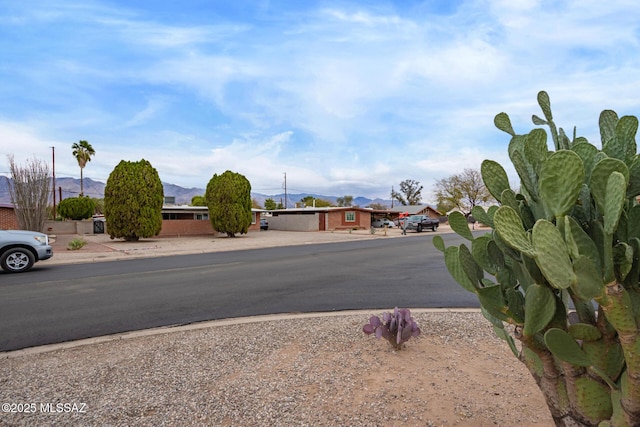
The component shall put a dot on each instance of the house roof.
(323, 209)
(184, 208)
(189, 208)
(414, 209)
(7, 205)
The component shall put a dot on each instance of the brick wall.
(338, 220)
(186, 227)
(8, 220)
(192, 227)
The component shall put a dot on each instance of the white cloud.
(153, 107)
(463, 63)
(21, 143)
(208, 75)
(365, 18)
(150, 34)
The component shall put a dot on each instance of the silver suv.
(20, 249)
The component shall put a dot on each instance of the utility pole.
(285, 190)
(53, 153)
(392, 197)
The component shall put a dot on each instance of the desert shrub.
(76, 208)
(76, 244)
(99, 206)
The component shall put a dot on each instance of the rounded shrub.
(228, 198)
(133, 200)
(76, 208)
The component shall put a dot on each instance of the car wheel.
(17, 260)
(419, 228)
(434, 228)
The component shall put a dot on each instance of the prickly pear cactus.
(558, 275)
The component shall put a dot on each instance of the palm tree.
(82, 151)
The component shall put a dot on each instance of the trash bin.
(98, 225)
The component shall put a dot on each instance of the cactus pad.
(561, 179)
(540, 306)
(494, 177)
(460, 225)
(509, 227)
(600, 177)
(551, 255)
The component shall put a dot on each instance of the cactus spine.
(565, 256)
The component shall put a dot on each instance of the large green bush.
(133, 200)
(228, 198)
(76, 208)
(561, 265)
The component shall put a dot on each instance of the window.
(350, 216)
(202, 216)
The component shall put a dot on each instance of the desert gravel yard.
(300, 371)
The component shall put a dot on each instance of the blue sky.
(346, 98)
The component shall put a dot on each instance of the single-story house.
(320, 219)
(8, 219)
(177, 220)
(183, 220)
(415, 210)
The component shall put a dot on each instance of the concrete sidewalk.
(99, 247)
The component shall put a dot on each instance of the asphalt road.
(58, 303)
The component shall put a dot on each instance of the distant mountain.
(5, 197)
(70, 187)
(182, 195)
(293, 199)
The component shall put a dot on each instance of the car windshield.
(414, 217)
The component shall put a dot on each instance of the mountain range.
(70, 187)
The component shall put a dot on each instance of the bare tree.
(410, 192)
(345, 201)
(462, 191)
(29, 191)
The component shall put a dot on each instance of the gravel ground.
(301, 371)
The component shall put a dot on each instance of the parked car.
(421, 222)
(382, 222)
(264, 224)
(20, 249)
